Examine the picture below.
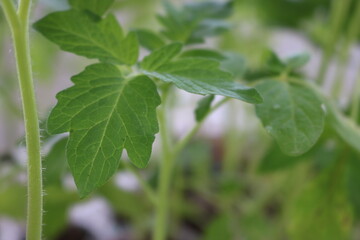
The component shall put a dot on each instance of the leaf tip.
(83, 194)
(258, 99)
(141, 164)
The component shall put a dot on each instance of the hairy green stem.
(19, 25)
(338, 16)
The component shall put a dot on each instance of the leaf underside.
(105, 113)
(195, 75)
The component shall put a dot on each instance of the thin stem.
(350, 38)
(356, 100)
(338, 16)
(177, 192)
(20, 33)
(10, 14)
(231, 152)
(146, 187)
(24, 10)
(167, 161)
(182, 143)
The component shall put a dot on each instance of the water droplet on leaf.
(276, 106)
(269, 129)
(323, 107)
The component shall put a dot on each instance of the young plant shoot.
(120, 103)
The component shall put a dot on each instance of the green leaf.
(273, 65)
(203, 107)
(210, 9)
(292, 114)
(254, 74)
(195, 75)
(149, 40)
(195, 21)
(229, 61)
(209, 28)
(80, 33)
(273, 62)
(174, 23)
(297, 61)
(234, 63)
(98, 7)
(129, 49)
(161, 56)
(203, 76)
(205, 53)
(105, 113)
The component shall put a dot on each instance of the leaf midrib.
(293, 117)
(105, 127)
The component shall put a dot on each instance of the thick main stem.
(167, 159)
(20, 32)
(34, 211)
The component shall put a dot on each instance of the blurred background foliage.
(232, 182)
